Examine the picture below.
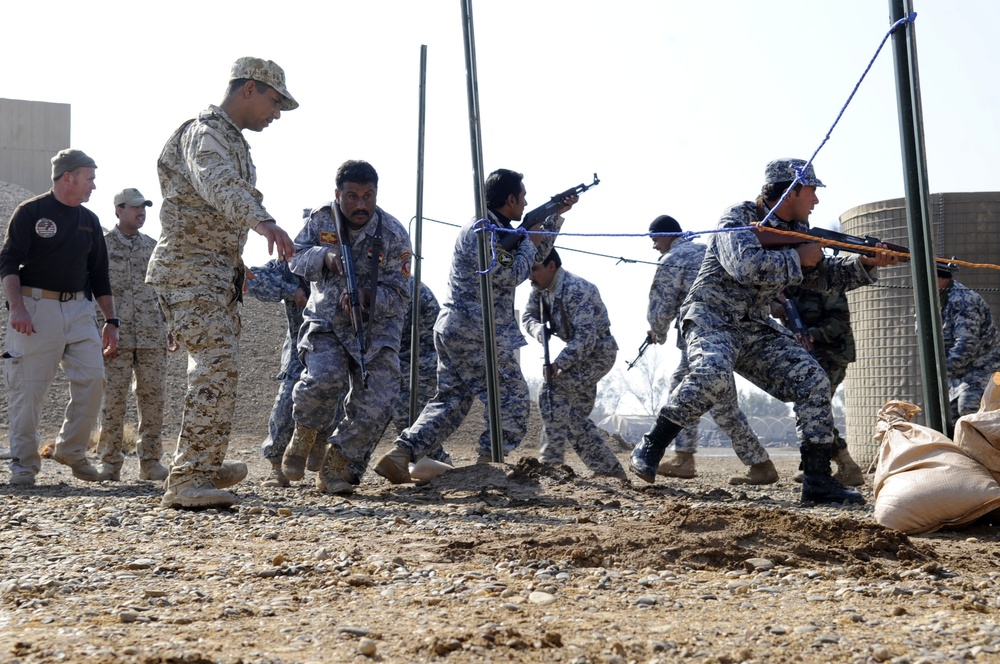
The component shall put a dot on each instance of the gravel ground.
(514, 562)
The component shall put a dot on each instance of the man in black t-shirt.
(53, 259)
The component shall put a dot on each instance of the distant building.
(30, 133)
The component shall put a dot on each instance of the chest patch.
(328, 237)
(45, 228)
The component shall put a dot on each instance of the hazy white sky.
(676, 105)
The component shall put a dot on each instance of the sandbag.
(978, 434)
(923, 480)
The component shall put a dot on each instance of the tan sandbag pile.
(924, 481)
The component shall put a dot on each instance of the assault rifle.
(795, 323)
(353, 291)
(547, 366)
(510, 241)
(642, 351)
(865, 245)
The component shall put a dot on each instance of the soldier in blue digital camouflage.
(426, 362)
(727, 326)
(827, 318)
(571, 308)
(680, 260)
(210, 204)
(274, 282)
(458, 335)
(329, 342)
(971, 342)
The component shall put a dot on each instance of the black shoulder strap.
(377, 246)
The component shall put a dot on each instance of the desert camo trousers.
(149, 365)
(208, 329)
(565, 408)
(767, 358)
(727, 416)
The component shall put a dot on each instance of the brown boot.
(276, 478)
(394, 465)
(315, 459)
(758, 474)
(333, 476)
(682, 465)
(293, 464)
(848, 472)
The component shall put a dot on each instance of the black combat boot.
(647, 454)
(818, 484)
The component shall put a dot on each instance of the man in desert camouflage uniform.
(142, 346)
(570, 308)
(827, 318)
(727, 326)
(210, 203)
(426, 362)
(971, 341)
(680, 260)
(458, 335)
(329, 342)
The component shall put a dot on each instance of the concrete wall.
(31, 132)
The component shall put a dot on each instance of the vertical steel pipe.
(418, 247)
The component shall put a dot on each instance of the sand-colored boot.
(152, 469)
(757, 475)
(276, 478)
(229, 474)
(112, 472)
(333, 476)
(394, 465)
(681, 465)
(848, 472)
(293, 463)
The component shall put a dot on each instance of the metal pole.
(485, 281)
(930, 340)
(418, 256)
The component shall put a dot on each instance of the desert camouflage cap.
(785, 170)
(131, 197)
(264, 71)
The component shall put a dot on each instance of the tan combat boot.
(333, 477)
(315, 459)
(152, 469)
(276, 478)
(293, 463)
(758, 474)
(395, 465)
(848, 472)
(195, 491)
(82, 468)
(229, 474)
(682, 465)
(112, 472)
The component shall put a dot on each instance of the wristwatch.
(117, 322)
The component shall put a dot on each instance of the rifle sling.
(373, 277)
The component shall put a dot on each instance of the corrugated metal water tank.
(964, 225)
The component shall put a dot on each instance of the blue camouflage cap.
(267, 72)
(786, 170)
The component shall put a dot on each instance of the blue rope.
(800, 171)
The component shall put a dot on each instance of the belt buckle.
(66, 297)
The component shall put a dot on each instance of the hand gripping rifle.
(795, 323)
(510, 241)
(642, 351)
(353, 290)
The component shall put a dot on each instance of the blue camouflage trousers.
(565, 406)
(330, 376)
(727, 415)
(772, 361)
(461, 377)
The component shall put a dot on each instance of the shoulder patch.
(404, 259)
(328, 237)
(505, 258)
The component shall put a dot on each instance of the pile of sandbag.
(925, 481)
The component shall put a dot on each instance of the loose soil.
(513, 562)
